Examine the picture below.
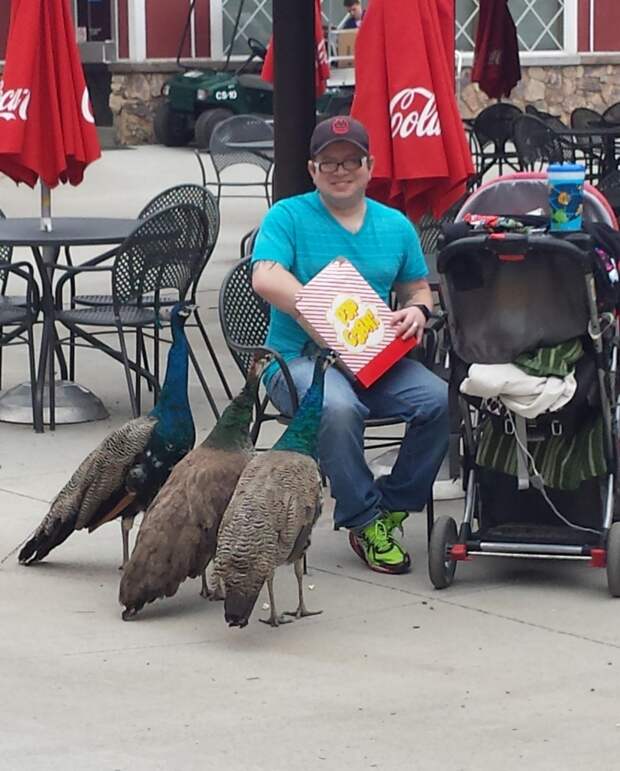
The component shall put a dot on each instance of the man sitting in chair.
(298, 237)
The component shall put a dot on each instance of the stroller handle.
(516, 247)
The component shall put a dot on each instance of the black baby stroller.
(533, 348)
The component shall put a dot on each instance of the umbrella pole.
(46, 208)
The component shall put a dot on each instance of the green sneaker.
(394, 520)
(376, 547)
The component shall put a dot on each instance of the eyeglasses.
(349, 164)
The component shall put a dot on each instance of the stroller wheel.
(441, 566)
(613, 560)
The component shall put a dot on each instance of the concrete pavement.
(515, 666)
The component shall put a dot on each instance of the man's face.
(355, 11)
(341, 187)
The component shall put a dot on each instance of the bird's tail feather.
(238, 607)
(46, 537)
(161, 560)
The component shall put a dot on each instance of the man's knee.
(433, 405)
(341, 415)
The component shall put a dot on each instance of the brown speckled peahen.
(178, 534)
(270, 517)
(121, 476)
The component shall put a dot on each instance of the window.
(540, 24)
(255, 21)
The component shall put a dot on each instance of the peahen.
(177, 536)
(121, 476)
(272, 512)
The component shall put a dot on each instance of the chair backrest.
(6, 252)
(551, 120)
(240, 129)
(199, 196)
(612, 113)
(244, 316)
(537, 143)
(430, 228)
(165, 251)
(494, 124)
(609, 186)
(585, 118)
(188, 193)
(246, 246)
(555, 123)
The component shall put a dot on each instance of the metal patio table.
(73, 403)
(607, 133)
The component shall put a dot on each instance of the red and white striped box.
(340, 310)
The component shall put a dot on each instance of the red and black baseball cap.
(338, 129)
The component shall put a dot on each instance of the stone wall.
(134, 97)
(558, 90)
(136, 92)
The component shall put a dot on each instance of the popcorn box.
(340, 310)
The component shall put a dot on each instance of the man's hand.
(408, 322)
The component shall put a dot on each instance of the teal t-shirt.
(300, 234)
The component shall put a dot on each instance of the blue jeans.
(408, 391)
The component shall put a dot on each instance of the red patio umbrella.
(405, 97)
(321, 71)
(496, 59)
(47, 130)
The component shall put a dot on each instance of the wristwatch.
(424, 309)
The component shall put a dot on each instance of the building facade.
(570, 50)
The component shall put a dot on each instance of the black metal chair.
(474, 148)
(430, 230)
(19, 318)
(232, 143)
(164, 252)
(246, 245)
(493, 129)
(609, 186)
(591, 147)
(187, 193)
(612, 113)
(537, 144)
(552, 120)
(244, 318)
(6, 253)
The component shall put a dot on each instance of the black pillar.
(294, 100)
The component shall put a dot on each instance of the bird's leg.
(204, 592)
(126, 525)
(217, 593)
(301, 608)
(274, 619)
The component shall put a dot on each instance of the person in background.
(354, 7)
(298, 237)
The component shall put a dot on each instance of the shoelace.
(378, 536)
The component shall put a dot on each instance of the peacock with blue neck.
(302, 434)
(174, 434)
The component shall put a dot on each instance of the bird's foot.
(275, 620)
(302, 612)
(213, 596)
(217, 593)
